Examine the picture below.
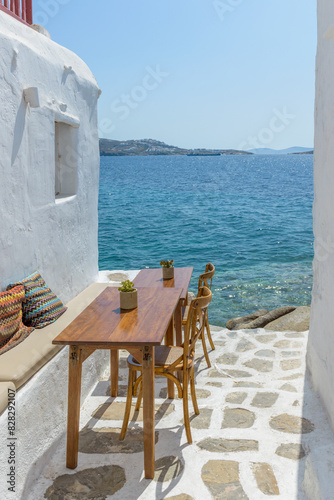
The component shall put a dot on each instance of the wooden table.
(103, 325)
(153, 278)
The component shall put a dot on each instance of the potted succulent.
(128, 295)
(167, 269)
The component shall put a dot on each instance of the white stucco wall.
(38, 232)
(56, 235)
(321, 339)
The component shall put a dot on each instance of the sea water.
(250, 215)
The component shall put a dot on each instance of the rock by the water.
(244, 319)
(296, 321)
(263, 320)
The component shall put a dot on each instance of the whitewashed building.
(49, 177)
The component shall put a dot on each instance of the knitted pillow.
(12, 330)
(41, 306)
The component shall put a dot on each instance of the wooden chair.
(171, 359)
(203, 280)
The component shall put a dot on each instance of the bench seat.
(21, 362)
(4, 386)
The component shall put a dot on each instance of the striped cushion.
(41, 306)
(12, 330)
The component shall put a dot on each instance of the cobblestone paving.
(258, 421)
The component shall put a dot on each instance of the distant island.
(304, 153)
(143, 147)
(295, 150)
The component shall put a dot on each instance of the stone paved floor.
(258, 421)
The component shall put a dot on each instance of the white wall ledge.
(68, 119)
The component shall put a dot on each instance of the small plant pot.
(168, 273)
(128, 300)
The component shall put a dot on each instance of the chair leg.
(139, 398)
(127, 406)
(134, 380)
(136, 383)
(208, 331)
(193, 391)
(186, 407)
(205, 349)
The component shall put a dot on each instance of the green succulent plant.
(127, 286)
(167, 263)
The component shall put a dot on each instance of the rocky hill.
(142, 147)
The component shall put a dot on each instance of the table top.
(153, 278)
(104, 324)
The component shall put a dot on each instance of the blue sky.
(196, 73)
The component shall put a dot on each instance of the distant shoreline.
(203, 154)
(304, 153)
(151, 147)
(174, 154)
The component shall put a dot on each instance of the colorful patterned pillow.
(12, 330)
(41, 306)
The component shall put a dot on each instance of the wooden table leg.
(114, 373)
(73, 409)
(178, 323)
(178, 330)
(148, 410)
(169, 340)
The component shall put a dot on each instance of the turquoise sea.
(250, 215)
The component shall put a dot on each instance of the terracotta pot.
(168, 273)
(128, 300)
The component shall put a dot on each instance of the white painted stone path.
(257, 390)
